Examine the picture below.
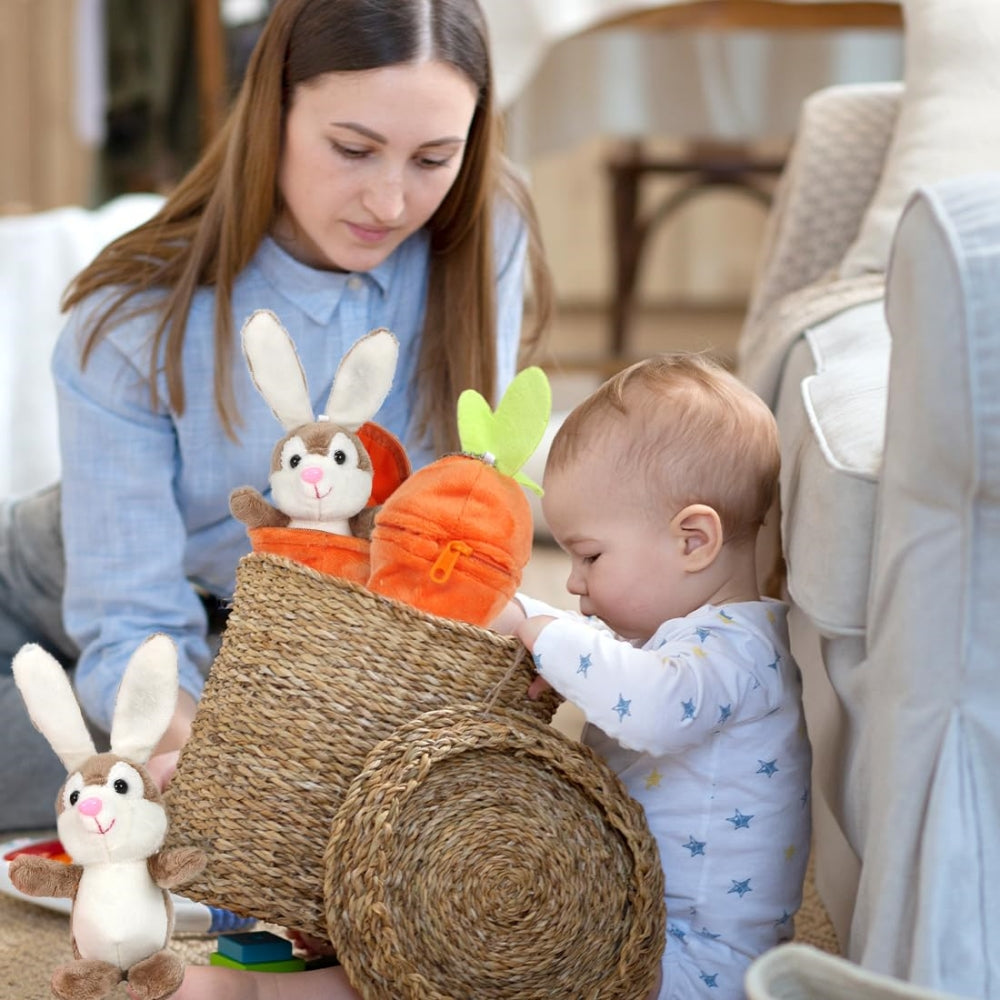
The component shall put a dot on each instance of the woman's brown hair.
(210, 226)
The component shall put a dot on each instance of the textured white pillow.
(949, 119)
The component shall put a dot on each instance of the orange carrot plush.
(454, 538)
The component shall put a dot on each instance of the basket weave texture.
(482, 854)
(313, 672)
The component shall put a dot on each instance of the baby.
(656, 487)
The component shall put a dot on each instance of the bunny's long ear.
(276, 370)
(146, 699)
(363, 379)
(52, 706)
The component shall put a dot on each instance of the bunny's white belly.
(119, 915)
(340, 526)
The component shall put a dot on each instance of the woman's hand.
(177, 733)
(163, 763)
(161, 767)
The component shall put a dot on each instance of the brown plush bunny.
(112, 823)
(321, 474)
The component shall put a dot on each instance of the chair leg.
(625, 173)
(707, 165)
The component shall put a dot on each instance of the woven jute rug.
(34, 940)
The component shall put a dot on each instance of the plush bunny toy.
(112, 822)
(321, 474)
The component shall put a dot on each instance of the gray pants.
(31, 584)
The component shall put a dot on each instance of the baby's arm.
(211, 982)
(533, 616)
(658, 701)
(527, 631)
(521, 607)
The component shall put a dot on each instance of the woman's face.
(367, 159)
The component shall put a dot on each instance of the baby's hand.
(528, 630)
(311, 946)
(507, 621)
(537, 688)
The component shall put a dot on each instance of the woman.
(357, 183)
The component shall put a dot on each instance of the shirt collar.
(316, 292)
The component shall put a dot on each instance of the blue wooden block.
(254, 947)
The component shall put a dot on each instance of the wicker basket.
(313, 672)
(482, 854)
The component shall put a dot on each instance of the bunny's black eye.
(294, 461)
(73, 797)
(120, 786)
(340, 456)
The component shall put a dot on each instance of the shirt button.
(354, 283)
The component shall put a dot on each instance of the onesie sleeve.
(656, 701)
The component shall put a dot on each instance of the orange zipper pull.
(445, 562)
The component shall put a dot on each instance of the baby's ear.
(698, 527)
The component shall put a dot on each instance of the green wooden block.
(284, 965)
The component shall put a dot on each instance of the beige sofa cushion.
(831, 415)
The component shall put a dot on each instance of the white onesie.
(704, 726)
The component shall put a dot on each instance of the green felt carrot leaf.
(510, 434)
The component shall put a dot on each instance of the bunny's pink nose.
(312, 474)
(89, 807)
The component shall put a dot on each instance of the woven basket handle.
(498, 687)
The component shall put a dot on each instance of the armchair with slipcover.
(876, 340)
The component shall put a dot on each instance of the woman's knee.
(32, 774)
(32, 574)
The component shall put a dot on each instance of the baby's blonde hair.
(688, 430)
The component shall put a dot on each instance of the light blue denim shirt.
(146, 492)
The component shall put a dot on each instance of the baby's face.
(626, 564)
